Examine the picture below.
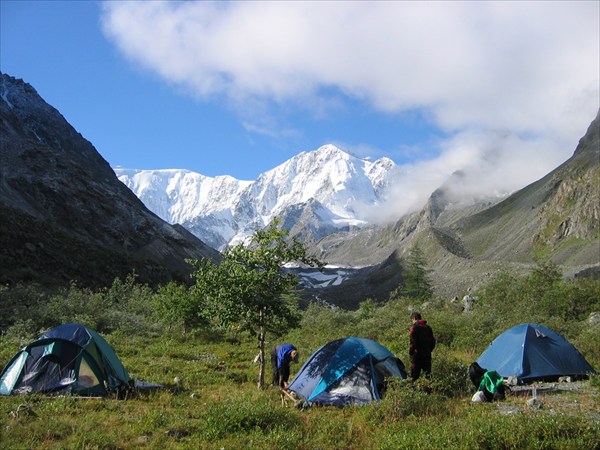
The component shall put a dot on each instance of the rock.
(177, 434)
(594, 318)
(512, 381)
(565, 380)
(468, 301)
(507, 410)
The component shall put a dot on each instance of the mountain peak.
(328, 152)
(331, 149)
(589, 142)
(223, 210)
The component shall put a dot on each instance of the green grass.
(217, 404)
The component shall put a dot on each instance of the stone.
(468, 301)
(594, 318)
(512, 381)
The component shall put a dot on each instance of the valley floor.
(217, 406)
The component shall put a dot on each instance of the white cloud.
(519, 65)
(485, 72)
(491, 165)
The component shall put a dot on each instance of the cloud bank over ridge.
(513, 85)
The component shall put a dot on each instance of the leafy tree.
(416, 279)
(247, 288)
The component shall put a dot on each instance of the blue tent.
(534, 352)
(346, 371)
(68, 359)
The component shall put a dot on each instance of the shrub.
(22, 331)
(321, 324)
(174, 305)
(448, 376)
(588, 343)
(539, 297)
(21, 303)
(403, 399)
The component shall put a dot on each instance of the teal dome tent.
(69, 359)
(346, 371)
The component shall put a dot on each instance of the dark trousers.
(420, 362)
(276, 380)
(281, 375)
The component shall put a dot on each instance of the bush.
(125, 306)
(321, 324)
(20, 303)
(22, 331)
(174, 305)
(448, 376)
(403, 399)
(538, 297)
(588, 343)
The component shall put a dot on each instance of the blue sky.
(236, 88)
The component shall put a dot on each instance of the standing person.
(422, 343)
(281, 358)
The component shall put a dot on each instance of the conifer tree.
(416, 279)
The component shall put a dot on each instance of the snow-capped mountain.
(316, 192)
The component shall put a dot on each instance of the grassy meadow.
(216, 404)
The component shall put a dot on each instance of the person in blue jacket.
(281, 358)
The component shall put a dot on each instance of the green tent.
(69, 359)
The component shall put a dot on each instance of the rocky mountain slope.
(64, 215)
(314, 193)
(556, 218)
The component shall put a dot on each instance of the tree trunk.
(261, 346)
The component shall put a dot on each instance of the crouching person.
(281, 358)
(490, 385)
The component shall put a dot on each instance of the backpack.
(426, 336)
(492, 386)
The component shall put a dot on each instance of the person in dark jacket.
(422, 343)
(281, 358)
